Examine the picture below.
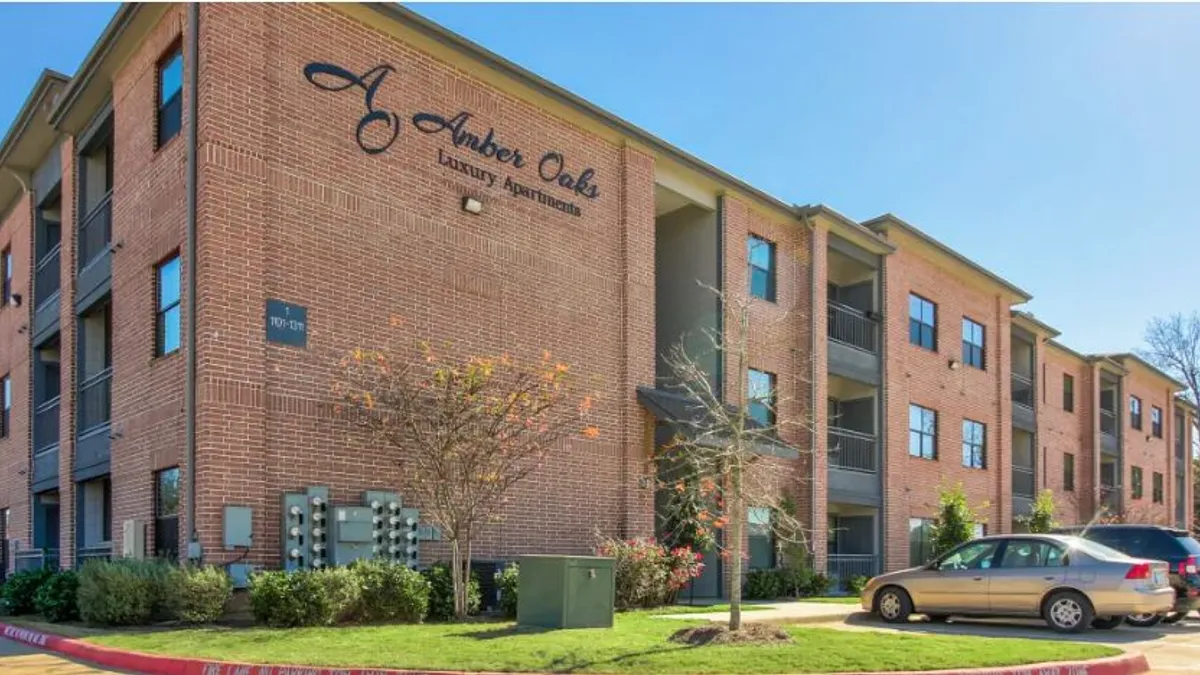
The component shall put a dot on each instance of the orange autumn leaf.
(591, 431)
(369, 401)
(396, 320)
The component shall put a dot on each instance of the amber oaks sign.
(488, 158)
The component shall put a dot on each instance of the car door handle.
(1050, 578)
(978, 578)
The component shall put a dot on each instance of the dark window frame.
(168, 114)
(1068, 472)
(1135, 412)
(163, 521)
(6, 412)
(6, 261)
(922, 433)
(1156, 488)
(1156, 421)
(161, 311)
(755, 403)
(1068, 392)
(974, 454)
(768, 292)
(1135, 482)
(974, 355)
(920, 333)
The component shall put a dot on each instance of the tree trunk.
(736, 513)
(456, 577)
(466, 575)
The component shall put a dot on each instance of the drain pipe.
(193, 39)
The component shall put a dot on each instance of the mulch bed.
(750, 633)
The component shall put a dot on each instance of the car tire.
(893, 604)
(1107, 623)
(1144, 620)
(1173, 617)
(1068, 612)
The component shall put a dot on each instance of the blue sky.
(1057, 145)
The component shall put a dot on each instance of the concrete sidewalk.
(781, 612)
(20, 659)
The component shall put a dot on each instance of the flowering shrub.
(647, 573)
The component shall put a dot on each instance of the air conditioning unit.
(133, 539)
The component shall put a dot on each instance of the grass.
(637, 644)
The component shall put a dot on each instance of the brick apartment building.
(225, 198)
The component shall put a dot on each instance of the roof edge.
(91, 63)
(45, 82)
(852, 225)
(1061, 347)
(1028, 317)
(1148, 366)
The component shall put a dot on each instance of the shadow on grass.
(1032, 629)
(571, 663)
(508, 630)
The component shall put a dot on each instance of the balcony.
(853, 343)
(842, 568)
(1110, 497)
(46, 281)
(45, 425)
(852, 450)
(35, 559)
(93, 414)
(1108, 431)
(97, 552)
(1024, 481)
(95, 263)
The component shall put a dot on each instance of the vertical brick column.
(16, 231)
(817, 319)
(999, 454)
(68, 323)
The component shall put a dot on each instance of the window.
(761, 254)
(973, 353)
(974, 444)
(970, 556)
(1157, 488)
(922, 322)
(1156, 421)
(1135, 412)
(6, 261)
(170, 95)
(1031, 553)
(166, 514)
(922, 432)
(761, 538)
(167, 329)
(980, 530)
(761, 397)
(920, 541)
(1136, 480)
(1068, 393)
(6, 414)
(1068, 472)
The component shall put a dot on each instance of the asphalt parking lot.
(1171, 650)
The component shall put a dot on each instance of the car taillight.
(1188, 566)
(1138, 571)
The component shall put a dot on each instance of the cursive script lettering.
(334, 78)
(487, 146)
(551, 170)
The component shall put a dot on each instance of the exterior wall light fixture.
(472, 205)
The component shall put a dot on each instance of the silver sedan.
(1070, 582)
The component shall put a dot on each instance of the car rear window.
(1189, 544)
(1098, 551)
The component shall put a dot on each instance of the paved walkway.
(19, 659)
(783, 612)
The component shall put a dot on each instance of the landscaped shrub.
(856, 584)
(390, 592)
(818, 584)
(122, 592)
(441, 593)
(17, 596)
(198, 594)
(56, 598)
(508, 581)
(304, 597)
(764, 584)
(647, 574)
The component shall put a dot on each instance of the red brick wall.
(1061, 432)
(380, 252)
(917, 375)
(1143, 450)
(16, 235)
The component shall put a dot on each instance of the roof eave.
(67, 115)
(848, 228)
(1161, 374)
(1032, 324)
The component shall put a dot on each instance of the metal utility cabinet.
(566, 592)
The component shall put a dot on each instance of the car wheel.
(1144, 620)
(1173, 617)
(1108, 623)
(893, 604)
(1068, 612)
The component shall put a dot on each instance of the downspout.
(193, 35)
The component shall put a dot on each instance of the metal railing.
(97, 552)
(47, 276)
(95, 401)
(1023, 481)
(851, 326)
(1022, 390)
(852, 450)
(1110, 497)
(844, 567)
(35, 559)
(95, 233)
(1108, 422)
(45, 425)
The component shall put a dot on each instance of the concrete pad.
(19, 659)
(781, 613)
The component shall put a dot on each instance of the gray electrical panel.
(317, 533)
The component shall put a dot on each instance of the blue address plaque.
(287, 323)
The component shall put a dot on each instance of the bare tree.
(1173, 344)
(462, 430)
(724, 449)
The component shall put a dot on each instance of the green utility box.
(563, 591)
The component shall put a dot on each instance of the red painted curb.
(150, 664)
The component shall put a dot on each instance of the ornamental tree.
(463, 430)
(1041, 517)
(955, 521)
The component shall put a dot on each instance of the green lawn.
(638, 644)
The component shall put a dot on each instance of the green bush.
(441, 593)
(17, 596)
(123, 592)
(198, 594)
(508, 581)
(304, 597)
(765, 584)
(647, 573)
(390, 592)
(856, 584)
(56, 598)
(818, 584)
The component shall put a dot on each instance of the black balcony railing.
(1023, 481)
(96, 232)
(45, 425)
(47, 276)
(843, 568)
(97, 552)
(35, 559)
(852, 450)
(1108, 422)
(853, 327)
(95, 401)
(1022, 390)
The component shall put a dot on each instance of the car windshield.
(1098, 551)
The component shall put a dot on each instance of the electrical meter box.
(317, 533)
(353, 529)
(566, 592)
